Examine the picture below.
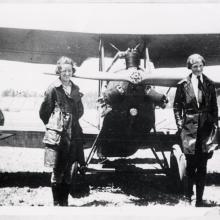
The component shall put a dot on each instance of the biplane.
(161, 33)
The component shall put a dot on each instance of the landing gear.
(79, 186)
(177, 170)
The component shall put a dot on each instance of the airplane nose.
(133, 111)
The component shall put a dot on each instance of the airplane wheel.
(79, 186)
(178, 168)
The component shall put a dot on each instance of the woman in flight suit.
(196, 114)
(65, 95)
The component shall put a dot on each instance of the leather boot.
(200, 186)
(56, 194)
(189, 189)
(65, 188)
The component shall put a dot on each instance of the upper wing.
(42, 46)
(74, 30)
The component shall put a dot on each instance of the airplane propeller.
(132, 75)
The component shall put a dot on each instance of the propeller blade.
(160, 78)
(99, 75)
(102, 75)
(133, 76)
(169, 77)
(51, 74)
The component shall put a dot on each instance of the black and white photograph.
(109, 109)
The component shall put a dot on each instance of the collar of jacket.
(188, 86)
(206, 81)
(189, 89)
(75, 94)
(188, 79)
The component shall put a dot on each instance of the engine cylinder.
(132, 59)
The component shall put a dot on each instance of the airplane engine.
(132, 116)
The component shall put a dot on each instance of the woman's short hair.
(65, 60)
(192, 59)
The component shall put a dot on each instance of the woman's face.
(197, 68)
(66, 72)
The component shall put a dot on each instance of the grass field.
(26, 182)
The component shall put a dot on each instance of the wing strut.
(101, 62)
(147, 64)
(93, 150)
(164, 166)
(101, 68)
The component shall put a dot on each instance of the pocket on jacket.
(50, 157)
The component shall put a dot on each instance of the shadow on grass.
(128, 161)
(22, 179)
(145, 187)
(148, 188)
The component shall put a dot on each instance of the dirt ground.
(24, 181)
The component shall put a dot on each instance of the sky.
(102, 18)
